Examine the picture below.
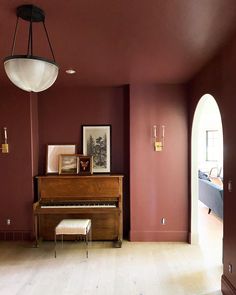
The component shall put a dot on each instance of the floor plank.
(135, 269)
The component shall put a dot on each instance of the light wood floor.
(135, 269)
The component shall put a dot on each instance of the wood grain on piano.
(107, 223)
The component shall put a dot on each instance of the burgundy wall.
(54, 116)
(34, 132)
(16, 170)
(62, 111)
(218, 79)
(158, 180)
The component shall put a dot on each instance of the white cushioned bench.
(80, 227)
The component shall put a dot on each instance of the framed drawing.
(97, 143)
(84, 165)
(68, 164)
(53, 152)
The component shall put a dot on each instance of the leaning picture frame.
(52, 155)
(84, 165)
(68, 164)
(97, 143)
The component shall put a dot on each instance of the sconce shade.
(29, 72)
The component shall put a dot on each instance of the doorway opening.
(206, 172)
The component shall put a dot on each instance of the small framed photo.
(68, 164)
(84, 165)
(52, 155)
(97, 143)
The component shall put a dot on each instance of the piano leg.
(36, 245)
(118, 244)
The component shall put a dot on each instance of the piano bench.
(80, 227)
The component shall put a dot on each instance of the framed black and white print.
(97, 143)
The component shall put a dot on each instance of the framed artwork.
(84, 165)
(68, 164)
(97, 143)
(52, 155)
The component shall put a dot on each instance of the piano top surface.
(75, 187)
(48, 176)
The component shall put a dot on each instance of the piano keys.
(98, 197)
(85, 205)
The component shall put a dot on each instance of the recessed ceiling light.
(70, 71)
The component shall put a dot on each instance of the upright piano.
(97, 197)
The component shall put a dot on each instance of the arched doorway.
(207, 114)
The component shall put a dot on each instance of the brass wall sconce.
(158, 135)
(5, 147)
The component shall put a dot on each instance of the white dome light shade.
(31, 73)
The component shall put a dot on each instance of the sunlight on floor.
(210, 237)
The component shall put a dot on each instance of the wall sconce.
(5, 147)
(158, 135)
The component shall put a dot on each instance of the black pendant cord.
(30, 13)
(31, 31)
(49, 41)
(14, 38)
(31, 34)
(30, 40)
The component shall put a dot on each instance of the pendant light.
(30, 72)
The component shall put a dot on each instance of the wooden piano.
(98, 197)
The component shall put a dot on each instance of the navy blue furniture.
(211, 195)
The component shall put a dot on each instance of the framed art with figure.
(97, 143)
(84, 165)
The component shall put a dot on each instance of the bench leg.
(86, 240)
(55, 246)
(90, 237)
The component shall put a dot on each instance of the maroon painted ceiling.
(116, 42)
